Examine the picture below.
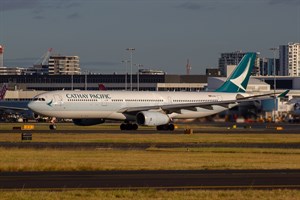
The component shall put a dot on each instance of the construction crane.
(188, 67)
(41, 66)
(44, 59)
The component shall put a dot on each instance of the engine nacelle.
(88, 122)
(152, 118)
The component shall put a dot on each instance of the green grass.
(152, 159)
(153, 194)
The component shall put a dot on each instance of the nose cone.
(32, 105)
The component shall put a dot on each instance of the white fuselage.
(109, 104)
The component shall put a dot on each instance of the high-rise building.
(266, 66)
(226, 59)
(263, 65)
(283, 60)
(289, 56)
(65, 65)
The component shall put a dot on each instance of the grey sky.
(164, 32)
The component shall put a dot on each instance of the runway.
(212, 128)
(143, 146)
(177, 179)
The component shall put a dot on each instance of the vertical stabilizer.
(101, 87)
(3, 91)
(239, 78)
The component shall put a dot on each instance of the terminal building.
(149, 82)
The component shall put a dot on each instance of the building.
(64, 65)
(263, 65)
(38, 69)
(213, 72)
(11, 71)
(233, 59)
(151, 72)
(289, 56)
(266, 66)
(152, 82)
(283, 60)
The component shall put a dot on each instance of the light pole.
(85, 79)
(72, 82)
(67, 73)
(274, 49)
(125, 61)
(131, 51)
(138, 75)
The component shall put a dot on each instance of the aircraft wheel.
(128, 126)
(123, 127)
(52, 127)
(165, 127)
(135, 126)
(171, 127)
(159, 128)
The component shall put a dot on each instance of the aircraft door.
(104, 102)
(58, 100)
(169, 100)
(219, 98)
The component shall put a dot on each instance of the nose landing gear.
(52, 126)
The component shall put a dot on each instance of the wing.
(12, 108)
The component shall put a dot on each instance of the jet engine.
(87, 122)
(152, 118)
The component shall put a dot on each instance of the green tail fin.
(239, 78)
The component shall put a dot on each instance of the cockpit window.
(38, 99)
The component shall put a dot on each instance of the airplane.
(3, 91)
(146, 108)
(14, 109)
(101, 86)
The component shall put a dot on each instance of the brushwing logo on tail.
(239, 80)
(3, 91)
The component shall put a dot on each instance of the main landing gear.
(128, 126)
(166, 127)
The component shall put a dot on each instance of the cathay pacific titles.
(87, 96)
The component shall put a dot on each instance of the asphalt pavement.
(177, 179)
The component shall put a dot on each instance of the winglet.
(282, 95)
